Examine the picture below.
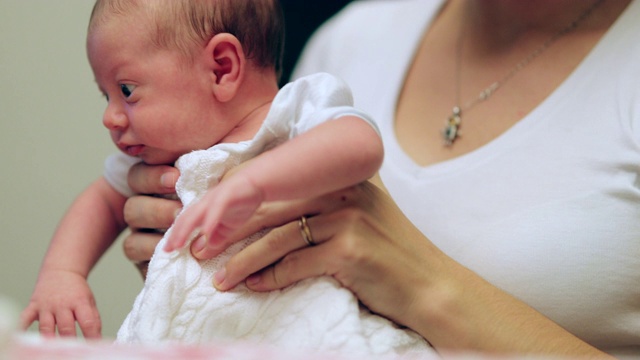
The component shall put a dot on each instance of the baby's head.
(183, 75)
(187, 25)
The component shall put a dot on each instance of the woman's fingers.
(152, 179)
(269, 249)
(147, 212)
(139, 245)
(294, 267)
(332, 238)
(149, 216)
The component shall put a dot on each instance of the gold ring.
(305, 231)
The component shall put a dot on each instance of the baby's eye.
(127, 89)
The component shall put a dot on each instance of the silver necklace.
(451, 131)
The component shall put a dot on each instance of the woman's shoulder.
(367, 20)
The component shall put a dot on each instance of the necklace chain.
(451, 131)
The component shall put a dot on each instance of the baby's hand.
(59, 300)
(222, 210)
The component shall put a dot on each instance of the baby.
(195, 83)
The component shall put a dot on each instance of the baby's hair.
(183, 24)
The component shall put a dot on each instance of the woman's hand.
(363, 241)
(149, 216)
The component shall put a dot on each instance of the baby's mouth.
(134, 150)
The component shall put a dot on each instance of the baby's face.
(159, 105)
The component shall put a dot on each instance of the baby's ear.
(227, 65)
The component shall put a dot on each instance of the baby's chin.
(152, 158)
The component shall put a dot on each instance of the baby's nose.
(113, 119)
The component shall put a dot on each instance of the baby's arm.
(334, 155)
(62, 295)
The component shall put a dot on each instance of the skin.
(365, 241)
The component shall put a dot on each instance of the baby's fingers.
(187, 225)
(46, 324)
(27, 317)
(89, 320)
(65, 322)
(225, 218)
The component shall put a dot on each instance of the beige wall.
(52, 145)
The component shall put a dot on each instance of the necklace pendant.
(452, 128)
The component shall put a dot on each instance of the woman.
(511, 221)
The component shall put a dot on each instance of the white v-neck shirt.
(550, 210)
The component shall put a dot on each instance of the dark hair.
(258, 24)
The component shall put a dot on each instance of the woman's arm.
(366, 243)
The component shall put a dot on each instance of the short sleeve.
(116, 169)
(312, 100)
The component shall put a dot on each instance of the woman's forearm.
(464, 312)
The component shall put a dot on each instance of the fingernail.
(167, 245)
(253, 279)
(198, 244)
(168, 180)
(219, 276)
